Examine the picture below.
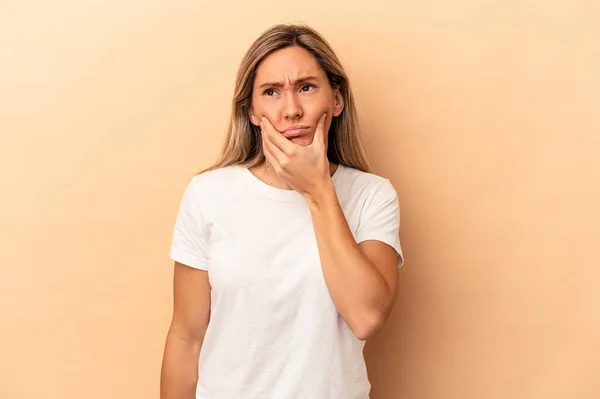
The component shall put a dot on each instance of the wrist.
(321, 197)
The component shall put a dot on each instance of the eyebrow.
(294, 82)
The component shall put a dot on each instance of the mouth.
(295, 131)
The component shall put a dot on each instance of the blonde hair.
(243, 141)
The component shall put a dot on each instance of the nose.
(292, 106)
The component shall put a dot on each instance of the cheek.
(261, 107)
(266, 110)
(318, 108)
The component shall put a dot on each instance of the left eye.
(308, 87)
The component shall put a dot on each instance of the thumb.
(319, 138)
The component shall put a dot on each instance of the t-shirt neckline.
(280, 193)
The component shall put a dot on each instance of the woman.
(287, 250)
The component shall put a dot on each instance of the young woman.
(287, 250)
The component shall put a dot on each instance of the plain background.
(484, 114)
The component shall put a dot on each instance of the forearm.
(179, 374)
(359, 291)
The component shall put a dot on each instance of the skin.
(361, 278)
(191, 313)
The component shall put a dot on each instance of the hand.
(304, 168)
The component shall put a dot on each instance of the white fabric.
(274, 331)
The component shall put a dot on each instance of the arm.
(362, 278)
(191, 313)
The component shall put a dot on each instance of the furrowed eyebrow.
(295, 82)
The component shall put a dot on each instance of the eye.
(308, 87)
(269, 92)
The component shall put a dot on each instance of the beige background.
(484, 114)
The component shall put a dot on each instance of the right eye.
(269, 92)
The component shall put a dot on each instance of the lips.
(295, 131)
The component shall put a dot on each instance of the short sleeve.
(190, 235)
(380, 219)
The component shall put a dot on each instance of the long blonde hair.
(243, 142)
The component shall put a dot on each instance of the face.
(292, 91)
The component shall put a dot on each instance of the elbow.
(367, 325)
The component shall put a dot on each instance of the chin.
(303, 141)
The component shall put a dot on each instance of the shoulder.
(215, 178)
(364, 183)
(209, 186)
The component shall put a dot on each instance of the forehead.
(288, 63)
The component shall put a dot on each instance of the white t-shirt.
(274, 331)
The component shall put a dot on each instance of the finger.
(273, 154)
(279, 140)
(319, 138)
(269, 157)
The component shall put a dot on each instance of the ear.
(338, 102)
(253, 118)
